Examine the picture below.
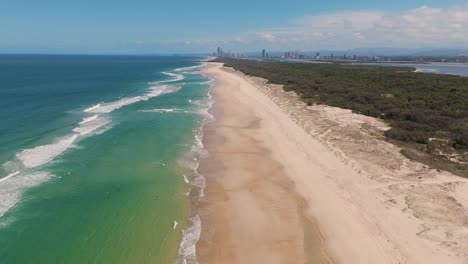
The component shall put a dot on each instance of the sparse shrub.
(405, 135)
(460, 136)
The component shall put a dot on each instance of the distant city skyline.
(156, 27)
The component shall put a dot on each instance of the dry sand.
(279, 169)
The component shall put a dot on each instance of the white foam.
(90, 109)
(11, 175)
(88, 119)
(40, 155)
(11, 190)
(187, 250)
(198, 82)
(165, 110)
(175, 77)
(11, 165)
(198, 150)
(109, 107)
(207, 82)
(161, 89)
(199, 182)
(153, 92)
(196, 179)
(185, 179)
(204, 107)
(190, 237)
(91, 125)
(191, 68)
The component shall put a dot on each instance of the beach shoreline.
(232, 141)
(332, 168)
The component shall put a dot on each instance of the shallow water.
(441, 68)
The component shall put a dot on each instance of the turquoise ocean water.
(98, 158)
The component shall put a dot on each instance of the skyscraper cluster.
(220, 52)
(294, 55)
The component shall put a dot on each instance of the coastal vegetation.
(419, 107)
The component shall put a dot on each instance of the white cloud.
(420, 27)
(267, 37)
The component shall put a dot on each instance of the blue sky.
(52, 26)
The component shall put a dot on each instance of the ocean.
(98, 158)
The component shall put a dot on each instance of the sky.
(191, 26)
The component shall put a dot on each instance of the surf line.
(9, 176)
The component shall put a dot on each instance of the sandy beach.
(288, 183)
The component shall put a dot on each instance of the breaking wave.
(13, 187)
(175, 77)
(40, 155)
(165, 110)
(111, 106)
(91, 125)
(27, 159)
(9, 176)
(191, 68)
(88, 119)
